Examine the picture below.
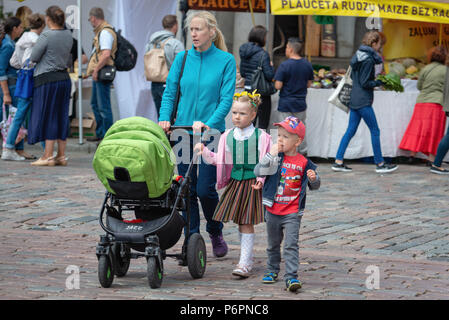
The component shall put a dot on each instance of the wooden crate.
(313, 38)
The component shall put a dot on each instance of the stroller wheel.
(154, 273)
(121, 263)
(105, 271)
(196, 256)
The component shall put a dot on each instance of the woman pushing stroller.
(206, 95)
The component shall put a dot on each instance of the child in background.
(287, 175)
(239, 150)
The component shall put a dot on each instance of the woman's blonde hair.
(23, 13)
(211, 23)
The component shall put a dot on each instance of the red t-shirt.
(286, 200)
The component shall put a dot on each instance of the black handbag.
(259, 82)
(107, 74)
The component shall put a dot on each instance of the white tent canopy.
(137, 19)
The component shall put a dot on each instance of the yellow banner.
(426, 11)
(411, 39)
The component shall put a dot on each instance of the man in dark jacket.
(252, 55)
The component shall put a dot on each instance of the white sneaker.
(9, 154)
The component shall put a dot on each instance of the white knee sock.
(246, 249)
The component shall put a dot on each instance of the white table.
(326, 124)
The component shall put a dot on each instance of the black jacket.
(362, 75)
(250, 56)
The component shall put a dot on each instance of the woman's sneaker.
(219, 246)
(12, 155)
(386, 168)
(293, 285)
(437, 170)
(341, 168)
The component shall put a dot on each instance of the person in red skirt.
(239, 150)
(426, 127)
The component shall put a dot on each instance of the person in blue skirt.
(52, 86)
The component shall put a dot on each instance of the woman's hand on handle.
(165, 125)
(198, 125)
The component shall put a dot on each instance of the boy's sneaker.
(293, 285)
(270, 277)
(437, 170)
(12, 155)
(386, 168)
(341, 168)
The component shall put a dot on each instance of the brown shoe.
(26, 155)
(61, 161)
(49, 162)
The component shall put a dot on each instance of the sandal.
(50, 162)
(242, 271)
(27, 156)
(61, 161)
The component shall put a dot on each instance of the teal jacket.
(207, 88)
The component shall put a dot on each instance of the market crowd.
(36, 89)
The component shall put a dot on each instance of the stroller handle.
(186, 128)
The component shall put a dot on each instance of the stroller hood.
(135, 159)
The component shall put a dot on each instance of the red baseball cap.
(293, 125)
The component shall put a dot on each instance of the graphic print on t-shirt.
(286, 199)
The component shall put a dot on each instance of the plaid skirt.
(240, 203)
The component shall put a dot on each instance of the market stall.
(405, 55)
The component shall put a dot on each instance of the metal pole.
(80, 77)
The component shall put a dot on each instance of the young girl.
(236, 158)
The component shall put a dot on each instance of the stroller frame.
(113, 250)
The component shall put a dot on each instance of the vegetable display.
(391, 81)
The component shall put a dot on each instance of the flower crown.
(253, 97)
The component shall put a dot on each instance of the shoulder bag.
(178, 91)
(342, 94)
(259, 82)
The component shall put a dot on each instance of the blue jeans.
(443, 147)
(367, 114)
(202, 186)
(23, 108)
(157, 91)
(12, 89)
(101, 106)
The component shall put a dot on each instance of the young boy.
(284, 195)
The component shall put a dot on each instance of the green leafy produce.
(391, 82)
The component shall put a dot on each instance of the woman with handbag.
(206, 93)
(8, 78)
(253, 56)
(426, 127)
(52, 85)
(361, 102)
(24, 86)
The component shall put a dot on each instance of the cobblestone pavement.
(356, 226)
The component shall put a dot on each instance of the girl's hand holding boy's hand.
(274, 150)
(311, 174)
(199, 147)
